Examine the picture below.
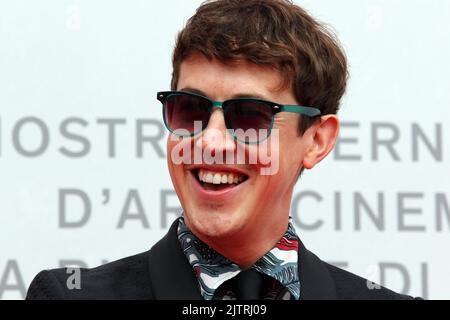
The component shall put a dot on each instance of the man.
(255, 91)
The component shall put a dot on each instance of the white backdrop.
(83, 177)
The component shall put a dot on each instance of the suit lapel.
(315, 279)
(171, 275)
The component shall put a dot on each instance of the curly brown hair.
(275, 33)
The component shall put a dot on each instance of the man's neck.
(245, 249)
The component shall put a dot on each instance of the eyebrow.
(236, 96)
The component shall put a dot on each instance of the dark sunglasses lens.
(182, 111)
(250, 121)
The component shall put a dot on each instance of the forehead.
(222, 80)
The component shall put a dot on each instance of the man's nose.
(215, 137)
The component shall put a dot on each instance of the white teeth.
(224, 179)
(208, 177)
(219, 178)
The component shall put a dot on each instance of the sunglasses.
(248, 120)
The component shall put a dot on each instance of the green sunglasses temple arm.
(307, 111)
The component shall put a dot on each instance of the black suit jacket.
(163, 272)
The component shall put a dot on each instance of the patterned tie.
(248, 285)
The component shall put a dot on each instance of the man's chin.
(213, 226)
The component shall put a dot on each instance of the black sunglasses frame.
(274, 107)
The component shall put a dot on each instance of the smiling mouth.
(218, 181)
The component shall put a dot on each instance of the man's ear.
(322, 136)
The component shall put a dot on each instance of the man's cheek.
(179, 151)
(267, 155)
